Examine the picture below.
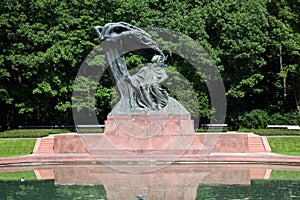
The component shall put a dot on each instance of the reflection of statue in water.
(143, 90)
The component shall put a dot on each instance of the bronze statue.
(142, 91)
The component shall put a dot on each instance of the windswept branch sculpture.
(142, 91)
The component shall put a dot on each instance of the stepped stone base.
(258, 143)
(204, 143)
(44, 145)
(171, 135)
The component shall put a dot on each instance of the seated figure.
(147, 89)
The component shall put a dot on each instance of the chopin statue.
(140, 92)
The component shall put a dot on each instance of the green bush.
(256, 119)
(259, 119)
(31, 133)
(292, 118)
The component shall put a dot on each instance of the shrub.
(256, 119)
(31, 133)
(259, 119)
(292, 118)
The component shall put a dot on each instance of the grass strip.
(285, 175)
(15, 176)
(285, 145)
(16, 147)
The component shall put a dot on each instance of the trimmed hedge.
(31, 133)
(205, 130)
(90, 130)
(272, 132)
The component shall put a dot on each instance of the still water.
(172, 182)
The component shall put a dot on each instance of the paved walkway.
(265, 158)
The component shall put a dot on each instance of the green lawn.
(21, 142)
(28, 175)
(285, 175)
(285, 145)
(16, 147)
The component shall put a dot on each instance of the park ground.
(21, 142)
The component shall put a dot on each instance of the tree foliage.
(255, 45)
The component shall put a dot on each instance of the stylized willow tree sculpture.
(142, 90)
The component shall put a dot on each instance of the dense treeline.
(255, 44)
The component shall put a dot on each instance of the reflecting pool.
(185, 181)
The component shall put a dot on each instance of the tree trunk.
(297, 97)
(284, 78)
(8, 118)
(298, 103)
(296, 89)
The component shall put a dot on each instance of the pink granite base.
(192, 144)
(69, 144)
(145, 126)
(151, 135)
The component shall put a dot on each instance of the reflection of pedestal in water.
(173, 182)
